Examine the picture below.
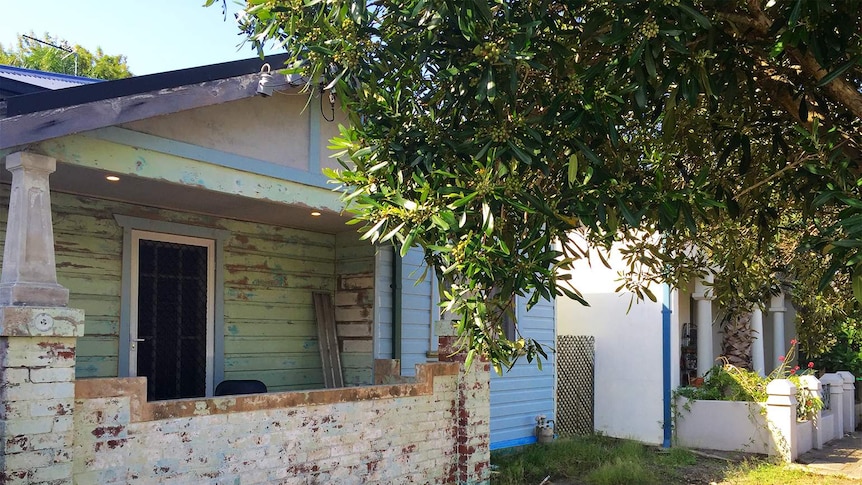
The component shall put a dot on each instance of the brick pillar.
(37, 337)
(473, 412)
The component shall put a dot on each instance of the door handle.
(134, 343)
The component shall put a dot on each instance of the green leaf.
(857, 285)
(573, 168)
(650, 64)
(520, 154)
(697, 16)
(468, 361)
(841, 70)
(437, 220)
(794, 14)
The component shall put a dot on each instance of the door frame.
(218, 236)
(209, 245)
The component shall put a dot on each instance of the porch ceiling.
(89, 182)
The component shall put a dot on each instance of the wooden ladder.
(327, 340)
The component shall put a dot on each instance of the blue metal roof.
(28, 80)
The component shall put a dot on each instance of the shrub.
(728, 382)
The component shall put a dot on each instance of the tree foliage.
(30, 54)
(488, 131)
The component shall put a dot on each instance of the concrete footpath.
(838, 457)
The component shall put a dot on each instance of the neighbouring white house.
(645, 351)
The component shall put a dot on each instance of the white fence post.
(836, 402)
(849, 400)
(781, 417)
(813, 385)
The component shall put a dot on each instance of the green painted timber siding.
(270, 274)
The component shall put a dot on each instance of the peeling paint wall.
(432, 431)
(270, 274)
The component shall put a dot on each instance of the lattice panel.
(575, 380)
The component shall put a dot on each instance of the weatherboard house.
(170, 245)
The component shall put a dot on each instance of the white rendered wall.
(628, 364)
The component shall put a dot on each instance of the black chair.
(239, 386)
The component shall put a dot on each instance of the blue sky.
(155, 35)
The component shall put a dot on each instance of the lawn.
(599, 460)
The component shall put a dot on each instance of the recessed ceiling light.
(315, 214)
(112, 178)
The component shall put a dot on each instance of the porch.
(61, 422)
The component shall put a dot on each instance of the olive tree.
(488, 131)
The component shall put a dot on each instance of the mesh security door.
(172, 336)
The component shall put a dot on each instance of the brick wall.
(434, 430)
(37, 393)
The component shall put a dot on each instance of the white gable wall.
(628, 346)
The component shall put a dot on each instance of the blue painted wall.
(517, 397)
(523, 393)
(416, 316)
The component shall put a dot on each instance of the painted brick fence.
(432, 430)
(770, 427)
(404, 433)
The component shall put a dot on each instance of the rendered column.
(37, 337)
(757, 357)
(849, 400)
(705, 357)
(29, 275)
(815, 388)
(835, 385)
(777, 310)
(781, 417)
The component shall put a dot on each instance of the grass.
(762, 473)
(599, 460)
(605, 461)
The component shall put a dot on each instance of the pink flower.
(793, 342)
(780, 358)
(793, 371)
(811, 365)
(796, 368)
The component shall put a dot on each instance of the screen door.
(171, 328)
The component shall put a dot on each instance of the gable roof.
(16, 81)
(34, 117)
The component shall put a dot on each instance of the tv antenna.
(71, 52)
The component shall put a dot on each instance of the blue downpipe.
(665, 334)
(397, 310)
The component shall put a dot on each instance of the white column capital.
(31, 161)
(703, 289)
(776, 304)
